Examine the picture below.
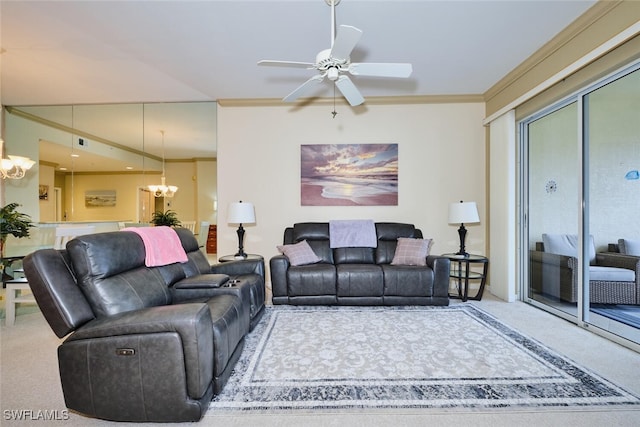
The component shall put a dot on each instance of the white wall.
(502, 182)
(441, 160)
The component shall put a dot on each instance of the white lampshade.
(463, 213)
(241, 213)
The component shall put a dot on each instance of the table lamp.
(241, 213)
(461, 213)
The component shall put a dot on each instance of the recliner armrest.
(441, 267)
(192, 322)
(279, 264)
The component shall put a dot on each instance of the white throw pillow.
(629, 246)
(567, 245)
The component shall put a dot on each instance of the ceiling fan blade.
(349, 90)
(271, 63)
(345, 41)
(304, 88)
(381, 69)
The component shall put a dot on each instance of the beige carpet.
(30, 384)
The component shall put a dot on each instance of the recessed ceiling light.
(63, 169)
(129, 168)
(75, 155)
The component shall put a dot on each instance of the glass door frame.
(583, 316)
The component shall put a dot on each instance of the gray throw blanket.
(349, 233)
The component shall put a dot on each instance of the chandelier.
(14, 167)
(163, 190)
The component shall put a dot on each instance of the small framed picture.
(43, 192)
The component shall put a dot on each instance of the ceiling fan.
(334, 63)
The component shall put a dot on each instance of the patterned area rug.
(408, 357)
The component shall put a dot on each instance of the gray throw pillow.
(299, 253)
(411, 251)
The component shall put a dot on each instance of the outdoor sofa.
(614, 278)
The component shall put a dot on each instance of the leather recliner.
(358, 275)
(143, 343)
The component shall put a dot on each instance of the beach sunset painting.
(349, 175)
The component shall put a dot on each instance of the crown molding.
(191, 160)
(569, 33)
(45, 163)
(572, 68)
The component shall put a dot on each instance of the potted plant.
(14, 223)
(168, 218)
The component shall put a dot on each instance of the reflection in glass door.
(612, 135)
(553, 206)
(581, 203)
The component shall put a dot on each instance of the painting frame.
(100, 198)
(349, 174)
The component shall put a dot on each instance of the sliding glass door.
(580, 195)
(612, 141)
(553, 202)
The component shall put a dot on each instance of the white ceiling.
(99, 52)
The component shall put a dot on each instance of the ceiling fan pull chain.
(334, 112)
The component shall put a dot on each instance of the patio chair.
(614, 279)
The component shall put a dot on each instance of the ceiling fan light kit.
(335, 63)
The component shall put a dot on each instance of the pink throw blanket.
(161, 244)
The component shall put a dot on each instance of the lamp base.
(240, 253)
(462, 233)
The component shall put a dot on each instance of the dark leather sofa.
(144, 343)
(357, 276)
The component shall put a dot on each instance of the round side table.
(462, 273)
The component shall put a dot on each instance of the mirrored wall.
(117, 148)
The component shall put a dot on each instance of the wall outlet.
(83, 142)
